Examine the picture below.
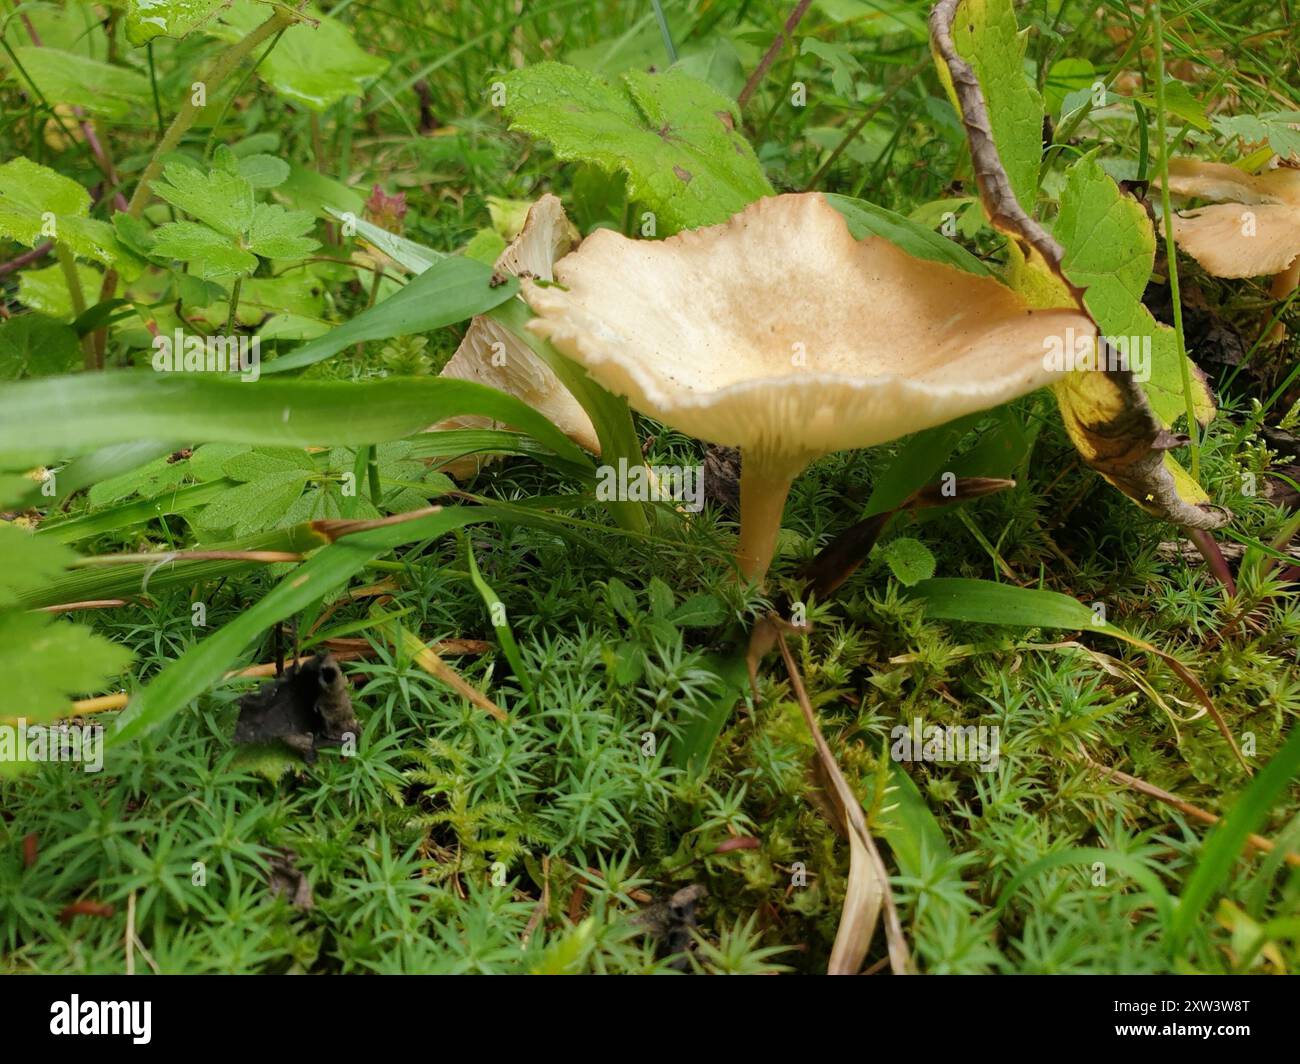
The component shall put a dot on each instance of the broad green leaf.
(38, 204)
(1109, 250)
(673, 137)
(46, 290)
(699, 611)
(452, 290)
(695, 750)
(986, 36)
(75, 80)
(1065, 77)
(308, 190)
(264, 171)
(866, 219)
(313, 65)
(147, 19)
(62, 415)
(32, 345)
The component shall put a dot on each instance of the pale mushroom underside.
(492, 355)
(1251, 229)
(778, 332)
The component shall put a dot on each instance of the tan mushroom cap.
(547, 234)
(1254, 228)
(779, 333)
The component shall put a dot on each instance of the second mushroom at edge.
(778, 333)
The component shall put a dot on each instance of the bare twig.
(769, 57)
(1256, 842)
(903, 79)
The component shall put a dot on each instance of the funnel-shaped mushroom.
(778, 333)
(494, 356)
(1251, 228)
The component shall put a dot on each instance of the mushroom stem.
(1283, 285)
(764, 484)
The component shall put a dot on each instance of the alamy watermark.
(191, 353)
(82, 743)
(1074, 351)
(642, 483)
(946, 743)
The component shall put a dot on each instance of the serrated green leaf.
(841, 60)
(212, 254)
(910, 560)
(255, 506)
(27, 561)
(674, 138)
(150, 479)
(45, 661)
(221, 200)
(315, 65)
(1277, 129)
(264, 461)
(278, 234)
(987, 37)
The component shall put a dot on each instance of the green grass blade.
(57, 416)
(205, 663)
(1224, 844)
(449, 291)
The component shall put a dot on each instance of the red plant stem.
(769, 58)
(1218, 565)
(27, 258)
